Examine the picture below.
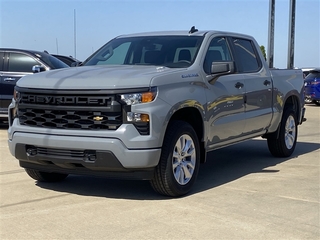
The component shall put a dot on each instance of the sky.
(80, 27)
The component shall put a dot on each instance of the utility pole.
(271, 33)
(292, 18)
(57, 45)
(74, 27)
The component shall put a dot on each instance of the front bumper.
(82, 155)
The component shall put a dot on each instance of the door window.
(19, 62)
(246, 55)
(218, 51)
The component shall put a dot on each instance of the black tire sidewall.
(287, 151)
(176, 131)
(45, 176)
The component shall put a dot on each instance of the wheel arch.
(294, 103)
(291, 102)
(193, 116)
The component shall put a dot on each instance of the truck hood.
(95, 77)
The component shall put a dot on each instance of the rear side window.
(19, 62)
(247, 57)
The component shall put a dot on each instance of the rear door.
(258, 86)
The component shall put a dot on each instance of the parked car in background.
(69, 60)
(306, 71)
(312, 87)
(16, 63)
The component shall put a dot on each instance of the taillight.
(315, 82)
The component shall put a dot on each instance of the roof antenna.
(193, 29)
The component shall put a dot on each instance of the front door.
(225, 109)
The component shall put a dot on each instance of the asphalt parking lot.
(242, 192)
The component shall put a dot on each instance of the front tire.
(45, 176)
(284, 144)
(179, 162)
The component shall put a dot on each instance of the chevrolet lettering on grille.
(62, 100)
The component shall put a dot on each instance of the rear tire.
(45, 176)
(179, 162)
(284, 144)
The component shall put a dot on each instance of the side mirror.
(220, 68)
(38, 68)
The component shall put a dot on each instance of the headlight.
(16, 94)
(139, 118)
(135, 98)
(12, 109)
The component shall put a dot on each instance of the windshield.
(168, 51)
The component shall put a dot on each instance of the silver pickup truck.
(151, 106)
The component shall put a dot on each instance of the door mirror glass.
(222, 67)
(38, 68)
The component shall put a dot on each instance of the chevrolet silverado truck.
(151, 106)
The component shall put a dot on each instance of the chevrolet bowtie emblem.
(97, 118)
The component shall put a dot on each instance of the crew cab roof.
(179, 33)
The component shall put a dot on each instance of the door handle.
(266, 82)
(9, 79)
(239, 85)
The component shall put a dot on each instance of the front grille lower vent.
(77, 154)
(143, 128)
(85, 155)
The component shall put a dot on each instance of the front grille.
(69, 111)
